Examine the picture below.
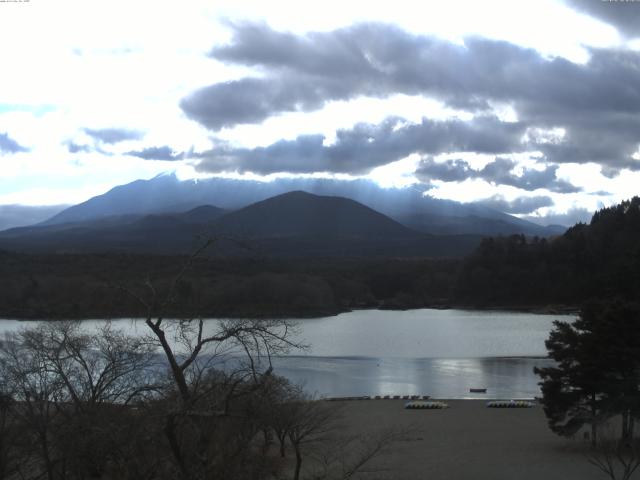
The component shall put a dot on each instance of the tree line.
(86, 286)
(601, 259)
(598, 260)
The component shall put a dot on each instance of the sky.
(529, 106)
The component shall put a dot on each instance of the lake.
(442, 353)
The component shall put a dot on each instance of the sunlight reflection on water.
(440, 378)
(442, 353)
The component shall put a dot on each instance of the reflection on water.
(438, 377)
(429, 333)
(442, 353)
(410, 334)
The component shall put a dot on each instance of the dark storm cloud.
(597, 103)
(452, 170)
(609, 139)
(499, 172)
(158, 153)
(519, 205)
(623, 15)
(113, 135)
(304, 72)
(365, 146)
(9, 145)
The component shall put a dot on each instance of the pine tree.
(597, 371)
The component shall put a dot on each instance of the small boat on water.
(478, 390)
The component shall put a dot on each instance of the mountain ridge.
(166, 193)
(292, 224)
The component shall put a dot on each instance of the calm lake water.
(441, 353)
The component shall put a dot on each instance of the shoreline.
(537, 310)
(428, 398)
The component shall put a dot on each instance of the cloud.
(519, 205)
(447, 171)
(365, 146)
(158, 153)
(499, 172)
(305, 72)
(623, 15)
(597, 104)
(76, 148)
(9, 145)
(567, 219)
(113, 135)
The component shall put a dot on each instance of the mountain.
(292, 224)
(161, 233)
(204, 214)
(167, 194)
(302, 224)
(475, 224)
(302, 214)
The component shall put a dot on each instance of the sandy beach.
(469, 441)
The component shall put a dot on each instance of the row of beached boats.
(438, 405)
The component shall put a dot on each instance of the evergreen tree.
(597, 371)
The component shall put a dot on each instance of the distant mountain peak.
(167, 193)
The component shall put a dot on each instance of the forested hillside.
(96, 286)
(601, 259)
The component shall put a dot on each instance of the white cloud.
(123, 64)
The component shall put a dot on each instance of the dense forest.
(601, 259)
(98, 286)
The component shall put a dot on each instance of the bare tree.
(192, 399)
(280, 416)
(103, 365)
(314, 429)
(214, 365)
(9, 434)
(72, 388)
(310, 422)
(185, 342)
(616, 458)
(37, 392)
(342, 457)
